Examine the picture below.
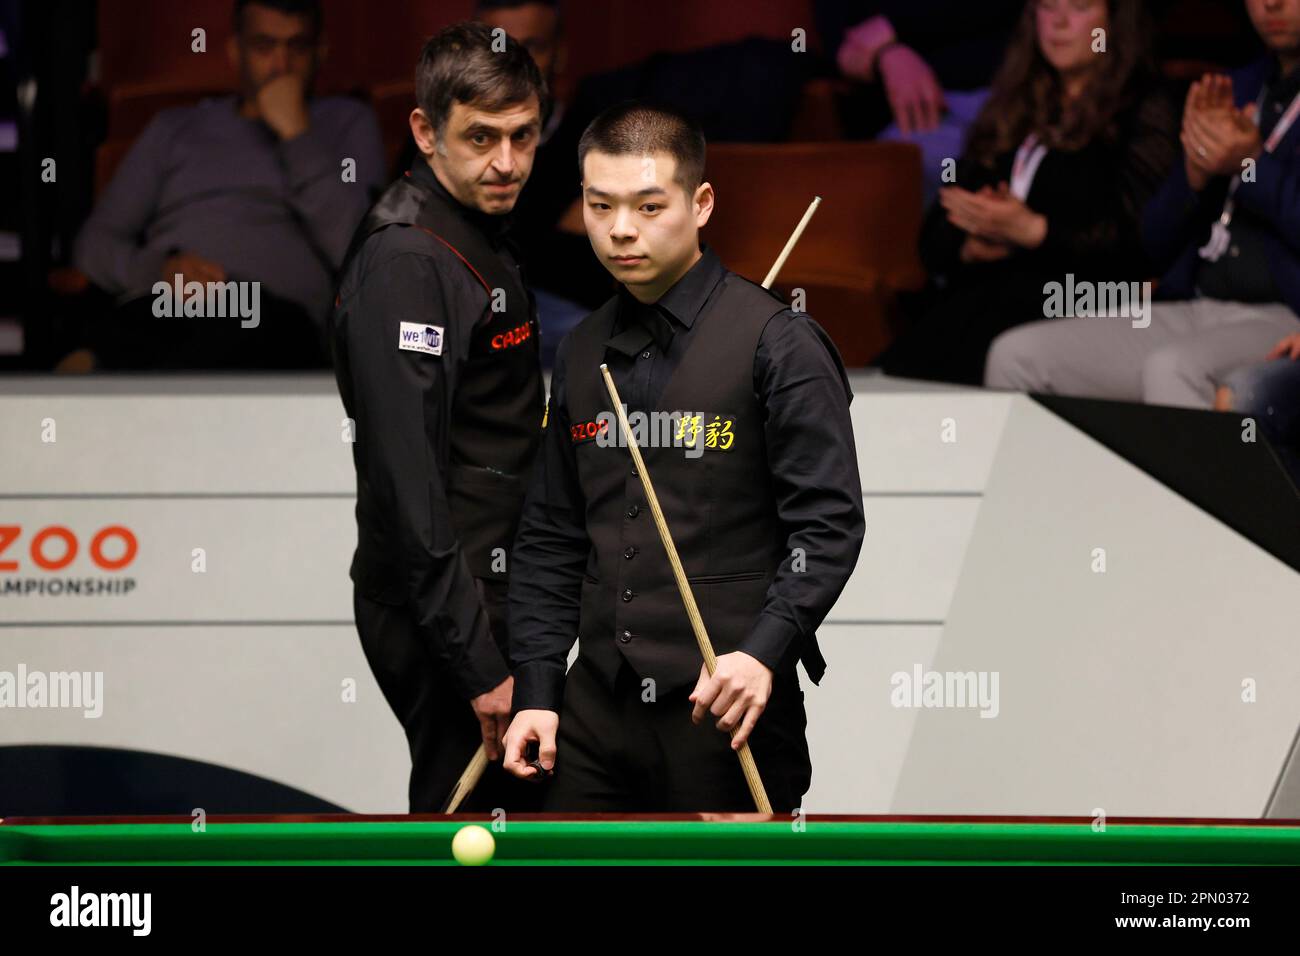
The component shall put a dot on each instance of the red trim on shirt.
(458, 256)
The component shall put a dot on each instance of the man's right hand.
(192, 268)
(529, 726)
(493, 712)
(914, 92)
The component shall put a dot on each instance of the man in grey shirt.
(265, 187)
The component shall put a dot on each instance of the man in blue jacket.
(1225, 227)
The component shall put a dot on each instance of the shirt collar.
(638, 324)
(686, 299)
(494, 227)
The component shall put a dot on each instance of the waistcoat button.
(627, 594)
(633, 511)
(625, 636)
(630, 552)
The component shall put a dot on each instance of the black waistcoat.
(719, 506)
(494, 428)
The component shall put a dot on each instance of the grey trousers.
(1179, 359)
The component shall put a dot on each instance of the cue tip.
(603, 366)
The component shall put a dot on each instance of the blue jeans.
(1270, 393)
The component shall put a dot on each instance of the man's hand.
(1217, 137)
(282, 104)
(994, 216)
(493, 712)
(528, 726)
(913, 90)
(192, 268)
(736, 694)
(860, 45)
(1289, 347)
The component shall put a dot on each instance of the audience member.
(1074, 138)
(266, 186)
(1269, 393)
(1225, 226)
(921, 69)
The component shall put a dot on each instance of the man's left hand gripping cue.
(736, 694)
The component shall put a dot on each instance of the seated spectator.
(1071, 143)
(921, 69)
(1226, 226)
(247, 188)
(1269, 392)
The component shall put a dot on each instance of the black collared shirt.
(802, 387)
(1243, 273)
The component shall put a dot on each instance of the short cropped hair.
(638, 129)
(293, 8)
(458, 65)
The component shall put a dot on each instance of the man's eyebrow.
(479, 126)
(647, 191)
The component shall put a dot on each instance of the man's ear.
(703, 204)
(426, 137)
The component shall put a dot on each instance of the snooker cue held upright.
(747, 765)
(789, 245)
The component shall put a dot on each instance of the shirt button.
(627, 594)
(625, 637)
(633, 511)
(630, 552)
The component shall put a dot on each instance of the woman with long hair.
(1073, 140)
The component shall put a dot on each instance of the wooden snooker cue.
(747, 765)
(789, 245)
(468, 780)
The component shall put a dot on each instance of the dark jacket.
(1177, 221)
(435, 347)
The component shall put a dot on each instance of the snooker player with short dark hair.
(434, 338)
(760, 491)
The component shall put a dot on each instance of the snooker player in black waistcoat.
(757, 476)
(435, 346)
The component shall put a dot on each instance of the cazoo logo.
(55, 547)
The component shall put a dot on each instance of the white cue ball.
(472, 846)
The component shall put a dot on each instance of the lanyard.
(1025, 168)
(1220, 235)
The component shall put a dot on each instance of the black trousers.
(440, 725)
(616, 753)
(131, 339)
